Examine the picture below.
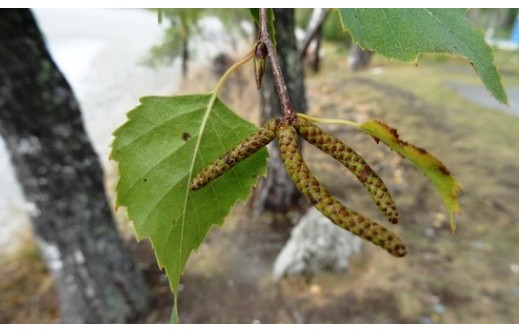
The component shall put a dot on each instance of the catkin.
(243, 150)
(325, 202)
(352, 161)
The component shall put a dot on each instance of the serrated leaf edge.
(503, 99)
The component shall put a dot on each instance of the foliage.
(272, 31)
(183, 23)
(165, 143)
(332, 29)
(404, 34)
(434, 169)
(171, 146)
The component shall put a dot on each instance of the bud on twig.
(260, 58)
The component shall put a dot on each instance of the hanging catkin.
(354, 162)
(245, 149)
(325, 202)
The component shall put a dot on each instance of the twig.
(286, 105)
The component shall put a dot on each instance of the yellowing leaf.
(434, 169)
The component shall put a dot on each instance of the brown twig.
(264, 36)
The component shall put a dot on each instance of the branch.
(316, 21)
(264, 37)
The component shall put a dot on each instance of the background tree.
(314, 33)
(277, 192)
(358, 58)
(183, 24)
(60, 174)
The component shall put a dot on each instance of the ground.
(469, 277)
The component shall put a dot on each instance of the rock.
(315, 245)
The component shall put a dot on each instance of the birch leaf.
(434, 169)
(405, 33)
(160, 149)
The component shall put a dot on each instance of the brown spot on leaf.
(444, 169)
(394, 133)
(185, 136)
(377, 140)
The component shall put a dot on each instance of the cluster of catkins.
(286, 132)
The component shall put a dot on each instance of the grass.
(462, 278)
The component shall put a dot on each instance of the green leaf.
(270, 15)
(163, 145)
(434, 169)
(254, 12)
(406, 33)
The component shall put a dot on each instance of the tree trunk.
(60, 174)
(278, 193)
(358, 58)
(185, 56)
(315, 60)
(313, 33)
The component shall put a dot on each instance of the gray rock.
(315, 245)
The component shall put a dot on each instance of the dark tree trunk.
(278, 193)
(60, 174)
(185, 57)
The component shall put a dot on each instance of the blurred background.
(112, 57)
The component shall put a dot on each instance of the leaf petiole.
(328, 121)
(231, 69)
(225, 76)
